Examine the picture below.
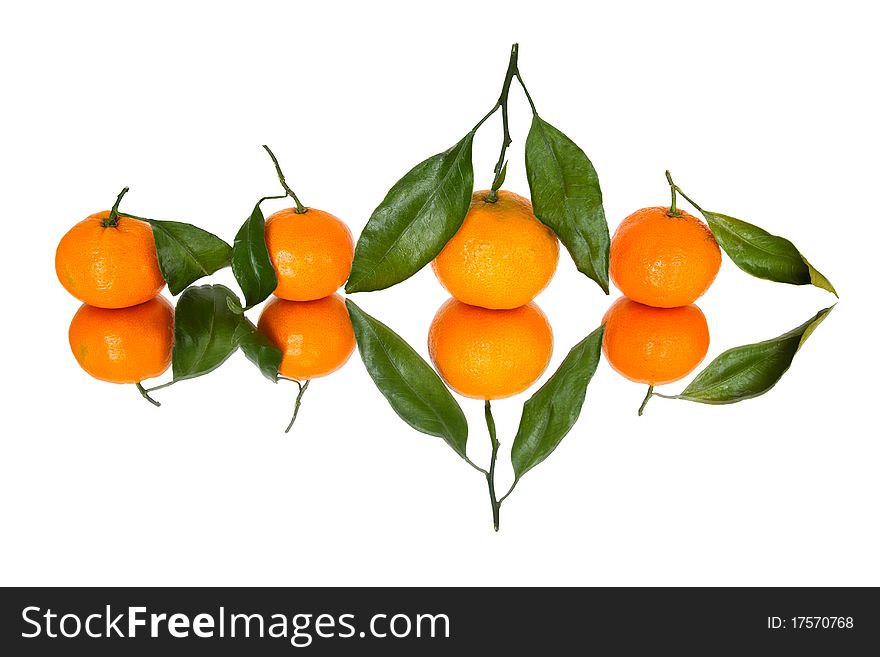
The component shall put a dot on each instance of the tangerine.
(662, 259)
(124, 345)
(501, 257)
(489, 354)
(654, 345)
(109, 265)
(311, 251)
(316, 337)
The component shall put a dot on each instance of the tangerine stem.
(526, 91)
(676, 189)
(476, 467)
(146, 395)
(486, 117)
(270, 198)
(509, 491)
(646, 400)
(113, 218)
(164, 385)
(134, 216)
(512, 68)
(490, 476)
(673, 211)
(302, 390)
(688, 199)
(300, 208)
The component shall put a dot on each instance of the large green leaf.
(206, 330)
(186, 253)
(419, 215)
(410, 385)
(750, 370)
(250, 260)
(763, 255)
(552, 411)
(566, 197)
(259, 349)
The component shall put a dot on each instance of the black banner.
(430, 621)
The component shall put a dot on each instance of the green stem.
(302, 390)
(269, 198)
(494, 109)
(146, 395)
(526, 91)
(673, 210)
(490, 476)
(676, 189)
(505, 88)
(505, 120)
(512, 72)
(646, 400)
(509, 491)
(300, 208)
(159, 387)
(113, 218)
(483, 471)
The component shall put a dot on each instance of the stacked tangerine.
(311, 251)
(490, 340)
(124, 331)
(662, 259)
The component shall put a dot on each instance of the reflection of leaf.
(763, 255)
(416, 219)
(206, 330)
(410, 385)
(187, 253)
(750, 370)
(259, 350)
(567, 198)
(552, 411)
(250, 260)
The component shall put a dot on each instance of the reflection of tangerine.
(489, 354)
(501, 257)
(662, 260)
(109, 266)
(316, 337)
(124, 345)
(654, 345)
(311, 252)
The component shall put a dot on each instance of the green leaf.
(250, 260)
(259, 350)
(567, 198)
(500, 178)
(419, 215)
(206, 330)
(763, 255)
(187, 253)
(750, 370)
(410, 385)
(552, 411)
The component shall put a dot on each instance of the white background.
(766, 111)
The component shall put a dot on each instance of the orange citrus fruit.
(501, 257)
(663, 260)
(109, 266)
(489, 354)
(311, 251)
(316, 337)
(654, 345)
(123, 345)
